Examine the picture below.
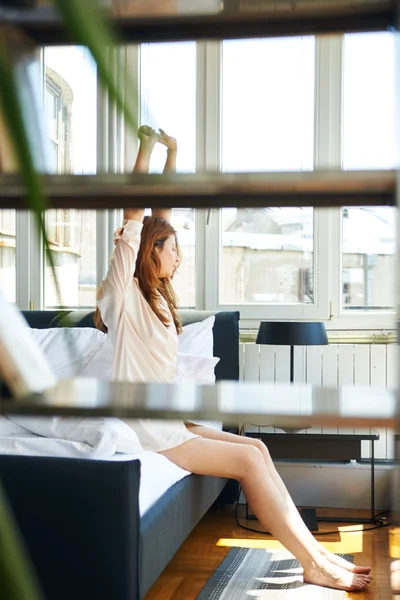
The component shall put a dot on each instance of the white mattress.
(158, 474)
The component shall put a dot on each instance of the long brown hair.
(154, 234)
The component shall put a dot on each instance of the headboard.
(226, 332)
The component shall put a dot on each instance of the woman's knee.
(259, 444)
(250, 460)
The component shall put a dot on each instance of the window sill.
(249, 336)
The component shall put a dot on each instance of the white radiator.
(333, 365)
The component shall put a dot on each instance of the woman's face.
(169, 258)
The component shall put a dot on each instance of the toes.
(362, 570)
(364, 579)
(359, 569)
(144, 129)
(360, 583)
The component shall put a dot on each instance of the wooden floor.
(211, 540)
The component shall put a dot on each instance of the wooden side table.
(320, 446)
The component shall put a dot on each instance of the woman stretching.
(137, 305)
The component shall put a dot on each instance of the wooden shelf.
(317, 188)
(283, 405)
(272, 18)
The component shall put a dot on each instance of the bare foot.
(147, 136)
(342, 562)
(328, 575)
(167, 140)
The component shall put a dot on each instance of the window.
(268, 104)
(369, 101)
(70, 102)
(7, 254)
(72, 240)
(267, 255)
(293, 104)
(168, 100)
(368, 234)
(369, 241)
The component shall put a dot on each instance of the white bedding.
(158, 474)
(105, 438)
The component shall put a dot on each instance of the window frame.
(117, 147)
(30, 272)
(328, 134)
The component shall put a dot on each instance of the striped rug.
(258, 574)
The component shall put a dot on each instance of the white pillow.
(188, 367)
(68, 349)
(195, 342)
(107, 435)
(197, 338)
(100, 365)
(195, 368)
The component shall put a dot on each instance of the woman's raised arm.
(127, 238)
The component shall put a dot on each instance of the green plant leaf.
(18, 581)
(88, 28)
(87, 25)
(11, 107)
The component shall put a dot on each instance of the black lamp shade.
(292, 333)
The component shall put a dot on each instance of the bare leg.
(147, 138)
(170, 167)
(238, 439)
(172, 150)
(246, 464)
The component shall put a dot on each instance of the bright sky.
(267, 102)
(168, 86)
(78, 69)
(369, 102)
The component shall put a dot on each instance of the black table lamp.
(292, 333)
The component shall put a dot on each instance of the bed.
(100, 528)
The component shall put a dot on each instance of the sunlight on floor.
(394, 542)
(351, 541)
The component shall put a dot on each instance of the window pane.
(268, 104)
(369, 101)
(369, 240)
(369, 143)
(168, 100)
(7, 254)
(268, 125)
(52, 98)
(71, 101)
(267, 256)
(72, 237)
